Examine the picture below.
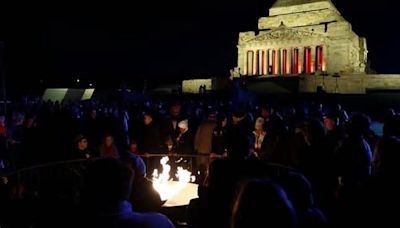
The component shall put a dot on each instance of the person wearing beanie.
(184, 141)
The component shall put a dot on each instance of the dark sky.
(160, 40)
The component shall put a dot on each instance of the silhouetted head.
(359, 124)
(389, 157)
(315, 131)
(392, 126)
(108, 182)
(262, 203)
(299, 191)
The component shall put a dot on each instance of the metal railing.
(34, 176)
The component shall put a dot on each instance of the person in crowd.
(150, 140)
(203, 141)
(92, 127)
(16, 141)
(299, 192)
(219, 141)
(386, 155)
(109, 185)
(334, 131)
(133, 147)
(31, 141)
(170, 123)
(262, 203)
(3, 140)
(277, 148)
(258, 139)
(237, 136)
(213, 207)
(169, 146)
(143, 197)
(81, 150)
(184, 141)
(316, 162)
(354, 156)
(107, 148)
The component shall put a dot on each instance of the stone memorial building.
(310, 39)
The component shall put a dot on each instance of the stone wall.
(346, 84)
(295, 6)
(299, 19)
(382, 82)
(350, 83)
(192, 86)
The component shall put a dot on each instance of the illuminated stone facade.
(192, 86)
(301, 37)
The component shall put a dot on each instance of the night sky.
(163, 40)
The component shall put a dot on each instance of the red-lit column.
(273, 62)
(284, 61)
(320, 61)
(307, 60)
(296, 61)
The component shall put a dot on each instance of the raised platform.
(272, 84)
(340, 84)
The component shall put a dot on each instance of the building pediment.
(285, 33)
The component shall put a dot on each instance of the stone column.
(284, 61)
(292, 61)
(244, 59)
(279, 61)
(260, 62)
(289, 61)
(313, 58)
(301, 60)
(265, 61)
(269, 65)
(324, 56)
(240, 59)
(250, 62)
(255, 62)
(275, 61)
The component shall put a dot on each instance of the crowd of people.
(337, 171)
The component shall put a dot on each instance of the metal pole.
(3, 76)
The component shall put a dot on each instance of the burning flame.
(164, 184)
